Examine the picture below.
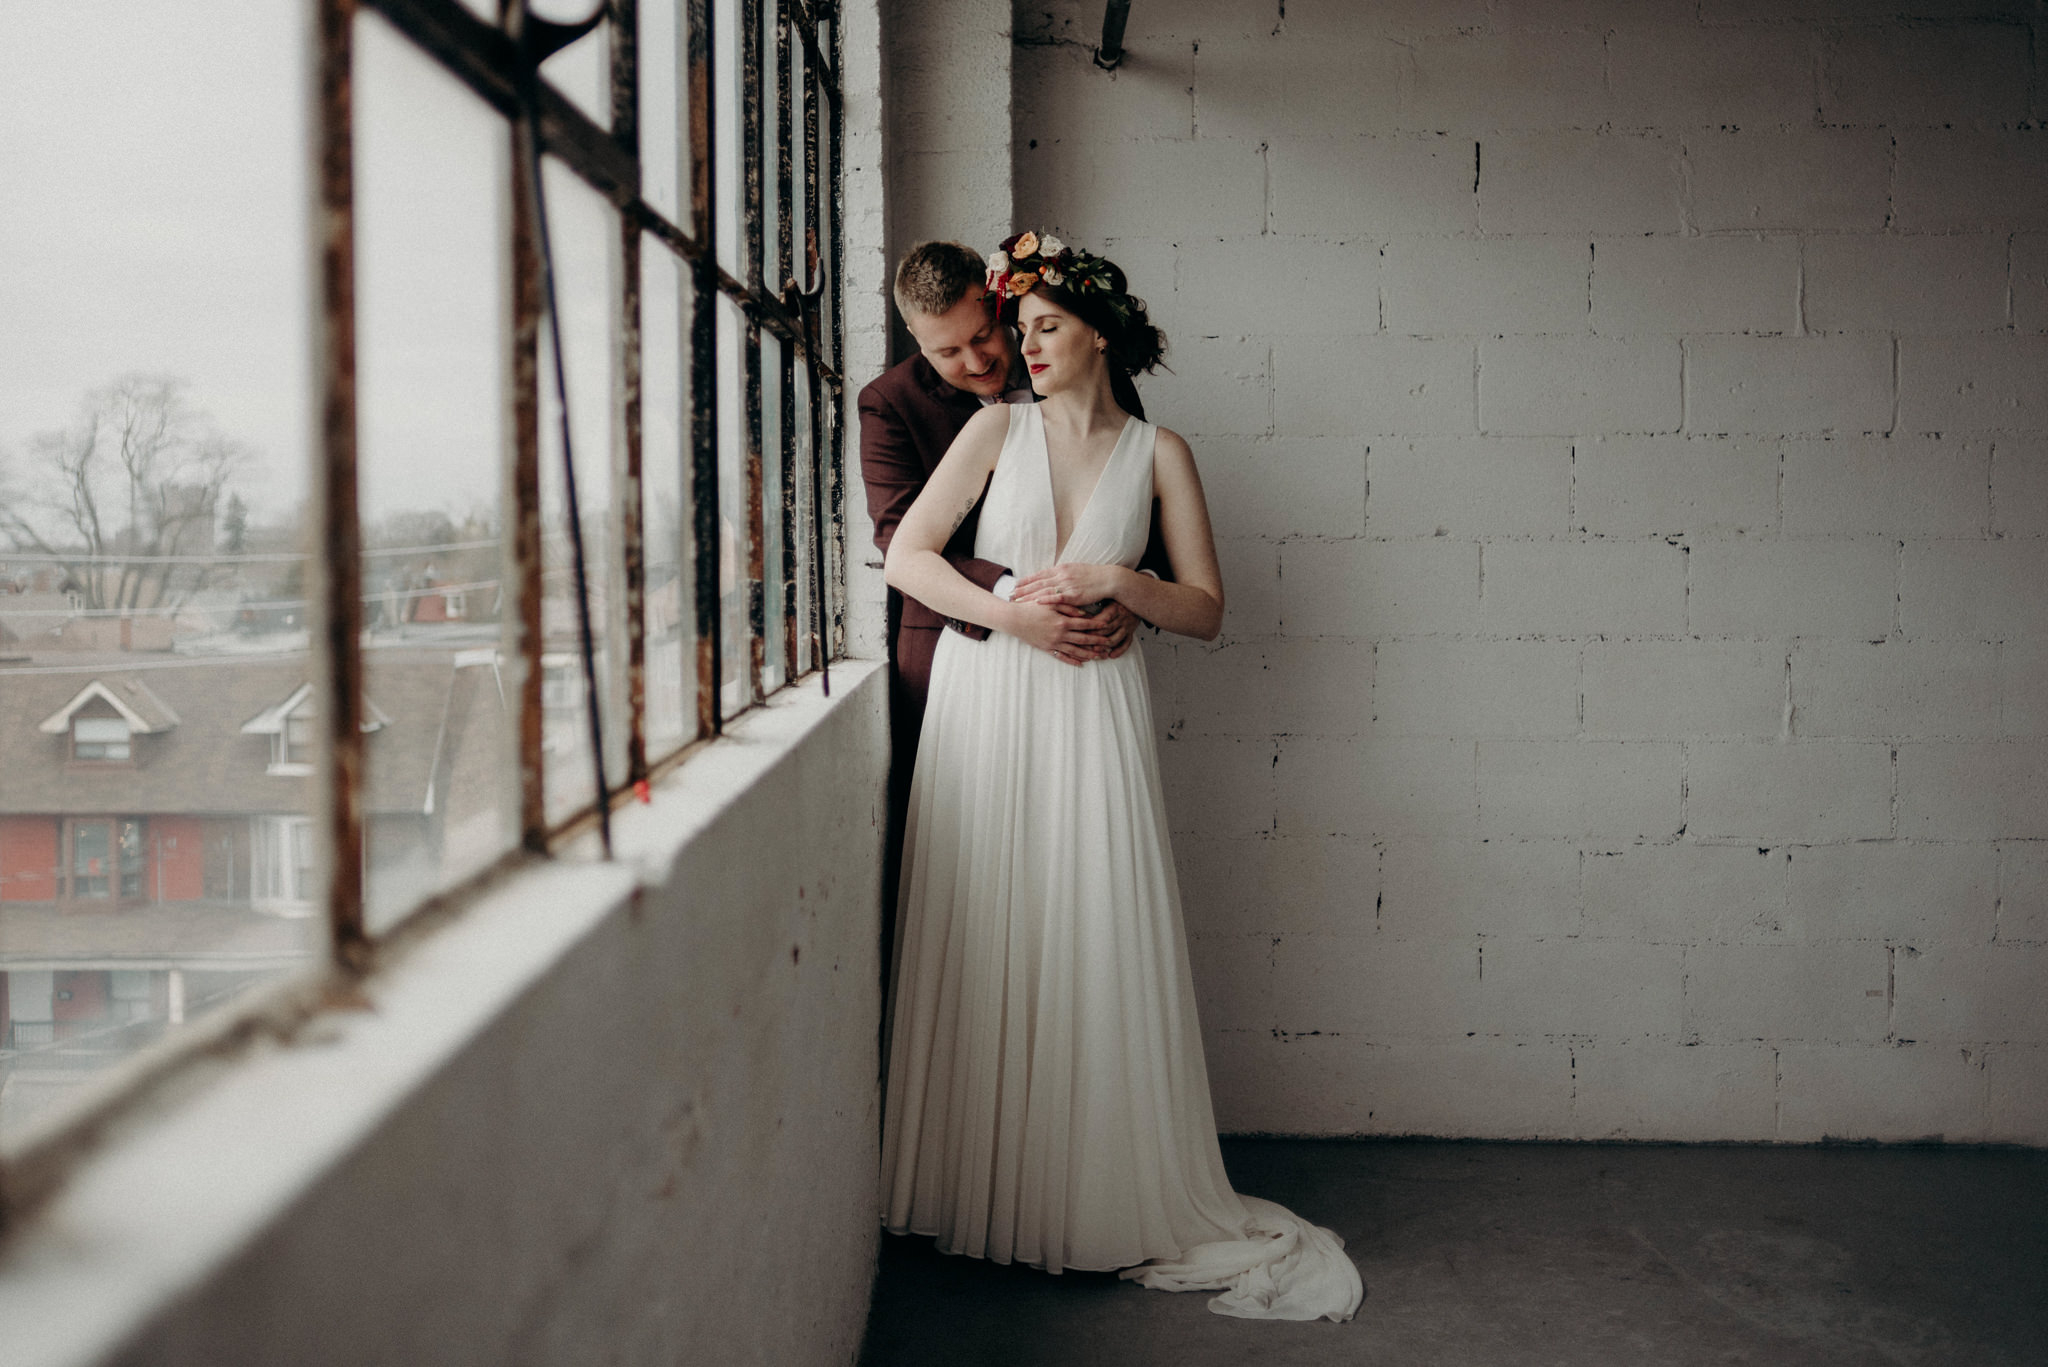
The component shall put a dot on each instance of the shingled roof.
(203, 763)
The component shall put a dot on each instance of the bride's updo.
(1092, 288)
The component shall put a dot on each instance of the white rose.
(998, 262)
(1052, 246)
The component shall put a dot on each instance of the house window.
(100, 738)
(283, 868)
(295, 743)
(108, 859)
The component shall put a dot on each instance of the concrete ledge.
(527, 1144)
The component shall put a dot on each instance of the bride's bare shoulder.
(1172, 446)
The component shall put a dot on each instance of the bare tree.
(125, 498)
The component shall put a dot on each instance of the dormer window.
(104, 717)
(292, 742)
(101, 738)
(295, 745)
(293, 728)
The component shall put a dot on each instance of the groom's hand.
(1117, 625)
(1108, 629)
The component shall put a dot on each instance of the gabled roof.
(145, 711)
(270, 721)
(430, 711)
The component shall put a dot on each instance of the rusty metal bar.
(522, 364)
(784, 240)
(339, 641)
(822, 71)
(835, 350)
(814, 297)
(756, 528)
(579, 560)
(625, 32)
(486, 59)
(704, 374)
(771, 314)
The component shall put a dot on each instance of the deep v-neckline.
(1053, 496)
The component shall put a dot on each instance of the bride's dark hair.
(1092, 288)
(1136, 347)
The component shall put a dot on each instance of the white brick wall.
(1627, 427)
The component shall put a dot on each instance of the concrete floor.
(1511, 1255)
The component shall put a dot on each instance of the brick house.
(190, 783)
(156, 836)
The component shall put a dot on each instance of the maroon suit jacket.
(908, 417)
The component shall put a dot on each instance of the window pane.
(806, 592)
(152, 202)
(776, 670)
(581, 71)
(728, 131)
(733, 537)
(585, 233)
(439, 799)
(772, 269)
(664, 141)
(671, 591)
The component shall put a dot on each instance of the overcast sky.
(153, 195)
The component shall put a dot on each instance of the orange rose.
(1022, 281)
(1026, 245)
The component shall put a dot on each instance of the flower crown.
(1021, 261)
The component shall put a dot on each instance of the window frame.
(805, 313)
(792, 296)
(126, 743)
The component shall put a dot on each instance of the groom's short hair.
(932, 276)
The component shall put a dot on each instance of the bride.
(1047, 1101)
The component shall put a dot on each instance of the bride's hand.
(1071, 585)
(1068, 638)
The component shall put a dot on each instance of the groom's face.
(965, 345)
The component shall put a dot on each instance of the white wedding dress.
(1047, 1100)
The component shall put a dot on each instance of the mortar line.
(1266, 189)
(1991, 489)
(1687, 226)
(1894, 428)
(1891, 186)
(1777, 1093)
(1778, 499)
(1894, 834)
(1899, 594)
(1891, 976)
(1799, 285)
(1684, 385)
(1785, 714)
(1997, 891)
(2010, 321)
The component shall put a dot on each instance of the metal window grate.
(787, 556)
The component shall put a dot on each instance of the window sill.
(197, 1174)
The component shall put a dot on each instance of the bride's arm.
(1189, 605)
(916, 567)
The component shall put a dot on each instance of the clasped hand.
(1071, 611)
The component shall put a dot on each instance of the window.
(100, 738)
(573, 497)
(296, 742)
(284, 873)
